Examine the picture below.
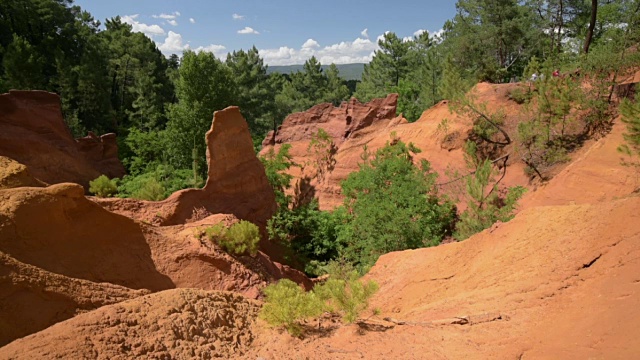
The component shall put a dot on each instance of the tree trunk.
(592, 25)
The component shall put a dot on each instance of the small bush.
(216, 232)
(344, 292)
(286, 304)
(103, 187)
(241, 238)
(520, 95)
(151, 190)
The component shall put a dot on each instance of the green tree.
(393, 55)
(336, 91)
(490, 40)
(392, 205)
(205, 85)
(388, 67)
(484, 204)
(23, 65)
(138, 75)
(305, 89)
(254, 95)
(631, 117)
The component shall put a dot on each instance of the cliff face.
(33, 132)
(353, 126)
(237, 183)
(560, 280)
(62, 253)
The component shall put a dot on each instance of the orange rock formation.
(33, 132)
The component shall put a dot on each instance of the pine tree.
(631, 117)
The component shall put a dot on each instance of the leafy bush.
(309, 234)
(103, 187)
(344, 293)
(392, 205)
(520, 95)
(216, 232)
(157, 184)
(145, 149)
(485, 206)
(241, 238)
(286, 304)
(152, 190)
(275, 166)
(631, 117)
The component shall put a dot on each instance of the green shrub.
(310, 235)
(241, 238)
(286, 304)
(276, 166)
(151, 190)
(392, 205)
(520, 95)
(485, 205)
(103, 187)
(157, 184)
(216, 232)
(344, 292)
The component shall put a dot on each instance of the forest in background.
(111, 79)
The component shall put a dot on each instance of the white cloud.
(173, 44)
(172, 22)
(358, 51)
(192, 20)
(172, 16)
(365, 33)
(310, 44)
(381, 37)
(217, 50)
(237, 17)
(419, 32)
(149, 30)
(436, 34)
(248, 30)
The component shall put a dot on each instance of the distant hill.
(347, 71)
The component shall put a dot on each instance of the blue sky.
(285, 31)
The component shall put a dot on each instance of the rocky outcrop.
(61, 253)
(33, 299)
(354, 125)
(14, 174)
(237, 183)
(555, 282)
(33, 132)
(338, 122)
(102, 153)
(58, 230)
(173, 324)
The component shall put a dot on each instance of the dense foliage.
(485, 205)
(286, 304)
(112, 79)
(631, 117)
(392, 205)
(239, 239)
